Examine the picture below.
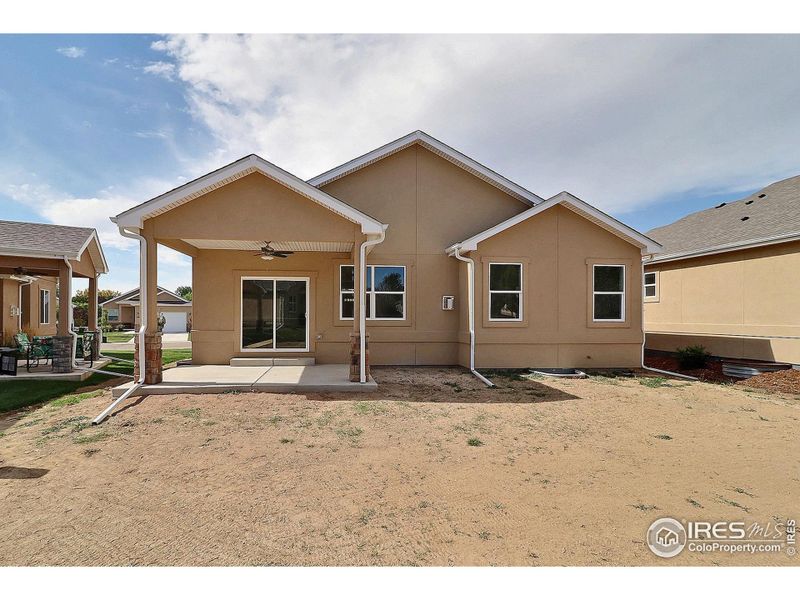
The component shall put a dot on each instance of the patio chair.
(36, 350)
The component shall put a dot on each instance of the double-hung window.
(385, 292)
(44, 307)
(505, 291)
(650, 286)
(608, 293)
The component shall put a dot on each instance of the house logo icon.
(666, 537)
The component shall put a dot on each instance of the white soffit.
(290, 246)
(136, 216)
(441, 149)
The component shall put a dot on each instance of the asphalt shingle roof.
(42, 237)
(771, 212)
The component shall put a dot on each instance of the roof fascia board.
(757, 243)
(453, 155)
(96, 238)
(135, 216)
(647, 245)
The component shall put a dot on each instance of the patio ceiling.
(291, 246)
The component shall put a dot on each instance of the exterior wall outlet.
(448, 302)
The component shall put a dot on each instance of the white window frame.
(274, 349)
(371, 283)
(653, 285)
(519, 292)
(623, 293)
(44, 299)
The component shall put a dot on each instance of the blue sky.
(648, 128)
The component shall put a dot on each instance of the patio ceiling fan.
(268, 252)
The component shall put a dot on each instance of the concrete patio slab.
(44, 373)
(215, 379)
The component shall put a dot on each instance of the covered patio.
(38, 263)
(268, 251)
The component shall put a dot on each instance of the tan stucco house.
(37, 264)
(438, 259)
(125, 310)
(728, 278)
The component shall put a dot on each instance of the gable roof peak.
(438, 147)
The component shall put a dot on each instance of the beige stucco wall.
(428, 204)
(557, 249)
(9, 296)
(743, 304)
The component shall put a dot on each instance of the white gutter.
(471, 310)
(142, 326)
(644, 341)
(362, 302)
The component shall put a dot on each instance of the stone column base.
(62, 354)
(98, 338)
(152, 349)
(355, 356)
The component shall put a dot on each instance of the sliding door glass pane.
(290, 314)
(608, 306)
(257, 298)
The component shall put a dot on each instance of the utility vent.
(762, 195)
(720, 205)
(745, 218)
(749, 202)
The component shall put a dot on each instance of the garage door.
(176, 322)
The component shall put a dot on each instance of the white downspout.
(362, 303)
(471, 311)
(142, 326)
(70, 316)
(644, 340)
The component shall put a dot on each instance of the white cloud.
(621, 121)
(160, 69)
(72, 51)
(152, 134)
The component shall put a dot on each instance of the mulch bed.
(712, 372)
(787, 381)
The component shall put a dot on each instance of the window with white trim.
(505, 291)
(385, 292)
(608, 293)
(650, 286)
(44, 307)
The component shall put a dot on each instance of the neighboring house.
(556, 282)
(37, 264)
(728, 278)
(125, 310)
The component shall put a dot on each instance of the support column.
(62, 342)
(149, 307)
(92, 317)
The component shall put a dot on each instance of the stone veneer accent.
(62, 354)
(98, 338)
(355, 352)
(152, 349)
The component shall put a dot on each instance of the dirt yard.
(433, 469)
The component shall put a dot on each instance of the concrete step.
(305, 361)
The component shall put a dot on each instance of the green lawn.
(115, 337)
(18, 394)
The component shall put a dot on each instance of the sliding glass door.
(274, 314)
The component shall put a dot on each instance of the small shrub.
(692, 357)
(474, 442)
